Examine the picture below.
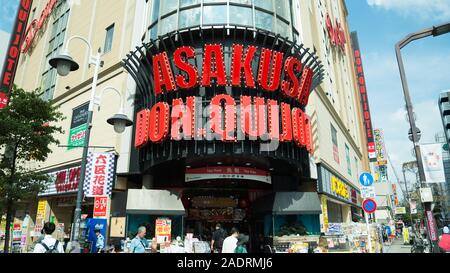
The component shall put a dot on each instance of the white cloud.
(437, 9)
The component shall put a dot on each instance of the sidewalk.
(397, 247)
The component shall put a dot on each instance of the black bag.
(53, 249)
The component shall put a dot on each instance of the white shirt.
(229, 244)
(50, 242)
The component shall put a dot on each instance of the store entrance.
(207, 207)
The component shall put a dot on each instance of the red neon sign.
(13, 53)
(259, 119)
(336, 33)
(228, 119)
(36, 25)
(269, 77)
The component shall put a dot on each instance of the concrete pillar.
(147, 182)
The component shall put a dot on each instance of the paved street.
(397, 247)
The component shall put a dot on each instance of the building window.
(334, 139)
(356, 165)
(334, 212)
(272, 15)
(55, 45)
(347, 158)
(109, 39)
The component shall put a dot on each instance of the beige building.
(339, 138)
(112, 28)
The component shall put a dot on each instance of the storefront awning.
(154, 202)
(288, 203)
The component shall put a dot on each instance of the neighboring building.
(115, 28)
(184, 53)
(338, 131)
(442, 190)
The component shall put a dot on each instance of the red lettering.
(142, 128)
(183, 119)
(241, 64)
(183, 65)
(159, 122)
(290, 86)
(213, 66)
(274, 119)
(225, 131)
(305, 86)
(162, 74)
(253, 116)
(286, 133)
(271, 63)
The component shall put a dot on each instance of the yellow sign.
(400, 210)
(41, 209)
(324, 212)
(339, 187)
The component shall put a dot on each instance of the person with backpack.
(444, 241)
(218, 237)
(49, 244)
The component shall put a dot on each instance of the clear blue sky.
(380, 24)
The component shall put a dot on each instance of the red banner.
(13, 53)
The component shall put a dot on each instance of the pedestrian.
(405, 235)
(139, 243)
(323, 243)
(388, 231)
(242, 244)
(218, 237)
(230, 243)
(444, 240)
(100, 241)
(48, 244)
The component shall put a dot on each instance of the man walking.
(230, 243)
(218, 237)
(139, 243)
(49, 244)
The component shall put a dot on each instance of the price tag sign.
(100, 206)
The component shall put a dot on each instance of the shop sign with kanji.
(100, 172)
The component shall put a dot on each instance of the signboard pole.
(369, 236)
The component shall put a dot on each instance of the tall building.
(237, 105)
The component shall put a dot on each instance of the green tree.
(26, 133)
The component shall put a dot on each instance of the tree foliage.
(27, 131)
(26, 134)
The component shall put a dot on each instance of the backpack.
(53, 249)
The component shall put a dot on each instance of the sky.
(380, 25)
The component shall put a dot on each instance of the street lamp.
(433, 31)
(64, 64)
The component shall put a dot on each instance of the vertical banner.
(380, 148)
(13, 53)
(100, 172)
(431, 226)
(78, 127)
(364, 98)
(413, 207)
(323, 200)
(433, 163)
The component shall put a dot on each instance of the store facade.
(221, 124)
(340, 200)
